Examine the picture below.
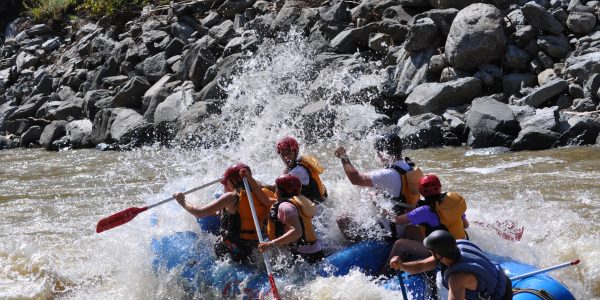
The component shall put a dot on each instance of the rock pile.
(445, 72)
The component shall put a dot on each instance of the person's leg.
(413, 232)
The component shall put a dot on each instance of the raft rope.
(540, 293)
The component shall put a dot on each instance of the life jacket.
(240, 225)
(449, 211)
(315, 190)
(491, 279)
(306, 211)
(410, 187)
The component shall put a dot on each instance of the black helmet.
(442, 243)
(389, 143)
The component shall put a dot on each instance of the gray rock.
(545, 118)
(154, 67)
(476, 37)
(538, 17)
(129, 126)
(583, 105)
(380, 42)
(211, 19)
(51, 133)
(44, 87)
(317, 120)
(533, 138)
(422, 131)
(230, 8)
(26, 60)
(576, 90)
(543, 93)
(441, 17)
(114, 81)
(581, 22)
(79, 134)
(580, 68)
(8, 143)
(411, 71)
(556, 46)
(71, 109)
(51, 44)
(449, 74)
(174, 48)
(89, 102)
(583, 131)
(515, 58)
(182, 30)
(525, 34)
(546, 76)
(491, 124)
(592, 85)
(131, 93)
(423, 34)
(31, 137)
(101, 129)
(196, 61)
(171, 108)
(460, 4)
(545, 60)
(29, 107)
(38, 29)
(223, 32)
(436, 97)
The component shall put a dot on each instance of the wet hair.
(389, 143)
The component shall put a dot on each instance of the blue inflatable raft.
(201, 272)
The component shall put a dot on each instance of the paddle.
(127, 215)
(260, 239)
(402, 287)
(506, 229)
(559, 266)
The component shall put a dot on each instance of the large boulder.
(582, 131)
(31, 137)
(580, 68)
(29, 107)
(422, 131)
(53, 132)
(544, 118)
(544, 93)
(411, 71)
(491, 124)
(129, 126)
(540, 18)
(79, 134)
(168, 112)
(131, 93)
(436, 97)
(534, 138)
(476, 37)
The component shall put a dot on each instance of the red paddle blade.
(119, 218)
(274, 287)
(508, 230)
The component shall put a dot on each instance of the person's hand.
(340, 152)
(245, 172)
(396, 263)
(180, 197)
(264, 246)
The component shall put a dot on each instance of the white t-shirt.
(389, 180)
(301, 172)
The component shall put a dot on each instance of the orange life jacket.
(247, 228)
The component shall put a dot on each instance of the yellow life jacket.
(316, 189)
(450, 210)
(410, 186)
(247, 228)
(306, 211)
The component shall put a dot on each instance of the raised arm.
(355, 177)
(257, 189)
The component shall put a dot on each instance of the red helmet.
(289, 184)
(430, 185)
(287, 143)
(233, 173)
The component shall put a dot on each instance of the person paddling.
(467, 272)
(290, 221)
(398, 181)
(238, 237)
(305, 167)
(439, 211)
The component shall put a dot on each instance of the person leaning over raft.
(466, 272)
(238, 237)
(398, 180)
(290, 221)
(439, 211)
(305, 167)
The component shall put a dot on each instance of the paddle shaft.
(185, 193)
(560, 266)
(260, 238)
(402, 287)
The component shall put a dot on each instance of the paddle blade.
(506, 229)
(274, 287)
(119, 218)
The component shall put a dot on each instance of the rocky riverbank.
(441, 72)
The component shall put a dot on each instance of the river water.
(51, 202)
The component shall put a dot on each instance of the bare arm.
(458, 283)
(293, 234)
(402, 219)
(414, 267)
(355, 177)
(257, 189)
(209, 209)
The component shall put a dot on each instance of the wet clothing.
(238, 235)
(449, 211)
(307, 247)
(307, 169)
(491, 278)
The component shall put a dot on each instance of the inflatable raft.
(200, 271)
